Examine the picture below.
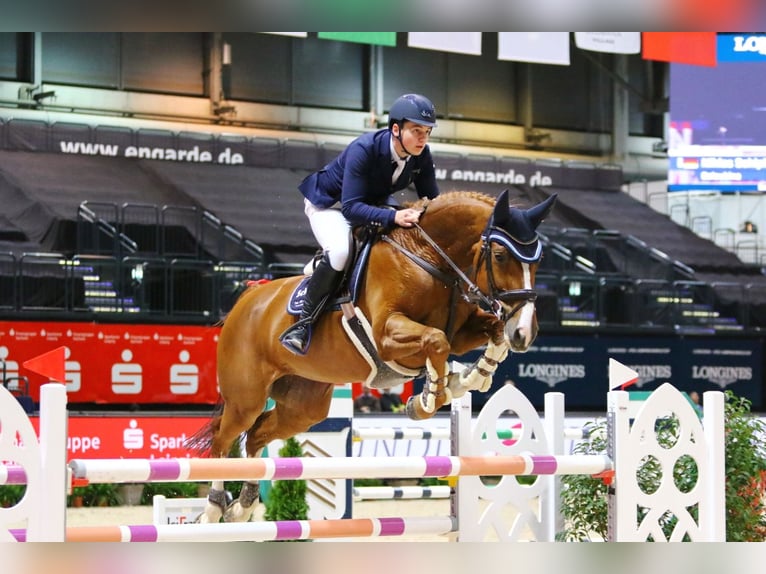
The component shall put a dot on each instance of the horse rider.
(355, 189)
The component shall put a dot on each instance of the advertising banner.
(117, 363)
(741, 47)
(129, 437)
(579, 367)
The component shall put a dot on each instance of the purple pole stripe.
(143, 533)
(285, 468)
(391, 526)
(19, 534)
(164, 469)
(288, 530)
(16, 475)
(544, 464)
(438, 466)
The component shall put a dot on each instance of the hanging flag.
(295, 34)
(537, 47)
(715, 15)
(461, 42)
(376, 38)
(614, 42)
(695, 48)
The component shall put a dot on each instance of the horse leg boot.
(434, 396)
(479, 375)
(241, 509)
(217, 501)
(323, 282)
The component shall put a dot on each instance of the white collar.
(395, 156)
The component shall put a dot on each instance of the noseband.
(516, 298)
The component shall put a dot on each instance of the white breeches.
(332, 231)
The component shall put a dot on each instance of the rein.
(472, 294)
(433, 270)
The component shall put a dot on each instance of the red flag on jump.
(50, 364)
(621, 376)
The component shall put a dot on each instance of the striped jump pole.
(400, 492)
(260, 531)
(12, 474)
(209, 469)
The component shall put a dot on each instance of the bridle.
(471, 293)
(517, 298)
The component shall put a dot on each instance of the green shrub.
(745, 473)
(169, 490)
(95, 495)
(369, 482)
(584, 499)
(287, 498)
(11, 494)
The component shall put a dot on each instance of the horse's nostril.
(521, 338)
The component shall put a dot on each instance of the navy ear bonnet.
(515, 228)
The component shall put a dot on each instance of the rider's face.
(414, 136)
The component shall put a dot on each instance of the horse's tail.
(200, 442)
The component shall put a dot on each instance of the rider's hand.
(406, 217)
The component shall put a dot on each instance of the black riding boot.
(323, 282)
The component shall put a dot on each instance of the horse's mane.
(451, 197)
(446, 200)
(451, 200)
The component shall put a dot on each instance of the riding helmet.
(414, 108)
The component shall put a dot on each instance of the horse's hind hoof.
(235, 512)
(206, 518)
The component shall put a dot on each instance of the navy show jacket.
(360, 178)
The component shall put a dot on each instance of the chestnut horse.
(461, 279)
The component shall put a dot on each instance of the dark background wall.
(325, 73)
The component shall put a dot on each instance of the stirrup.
(290, 340)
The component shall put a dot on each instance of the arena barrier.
(478, 505)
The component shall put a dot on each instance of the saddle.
(382, 374)
(363, 237)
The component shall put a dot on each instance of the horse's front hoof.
(417, 411)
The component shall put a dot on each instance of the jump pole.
(400, 492)
(207, 469)
(259, 531)
(12, 474)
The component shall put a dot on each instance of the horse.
(463, 277)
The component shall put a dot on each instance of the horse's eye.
(500, 256)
